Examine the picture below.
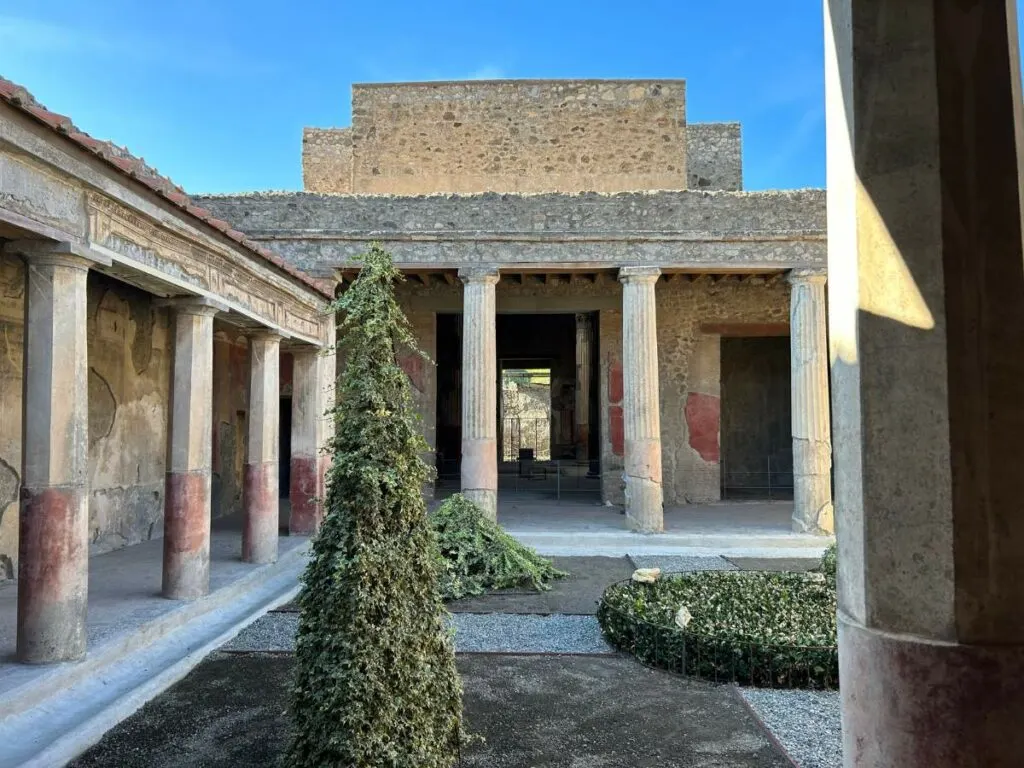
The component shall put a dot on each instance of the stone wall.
(714, 156)
(327, 160)
(230, 410)
(510, 136)
(129, 377)
(688, 360)
(318, 233)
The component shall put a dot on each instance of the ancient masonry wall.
(688, 361)
(714, 156)
(327, 160)
(670, 228)
(517, 136)
(129, 379)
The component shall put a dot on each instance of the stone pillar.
(307, 424)
(260, 500)
(325, 428)
(926, 332)
(480, 389)
(642, 420)
(812, 431)
(53, 541)
(186, 573)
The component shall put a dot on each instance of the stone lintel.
(639, 274)
(64, 252)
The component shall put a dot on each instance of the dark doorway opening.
(756, 427)
(560, 353)
(284, 457)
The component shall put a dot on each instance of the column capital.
(809, 275)
(193, 305)
(61, 253)
(483, 273)
(265, 334)
(639, 274)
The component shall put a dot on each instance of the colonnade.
(53, 534)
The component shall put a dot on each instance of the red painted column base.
(53, 574)
(305, 488)
(187, 535)
(912, 703)
(260, 513)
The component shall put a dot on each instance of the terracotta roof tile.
(136, 168)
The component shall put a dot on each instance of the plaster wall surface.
(688, 363)
(129, 374)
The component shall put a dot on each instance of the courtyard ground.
(542, 688)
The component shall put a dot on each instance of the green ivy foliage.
(829, 561)
(478, 555)
(764, 629)
(376, 683)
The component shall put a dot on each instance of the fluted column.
(53, 542)
(812, 433)
(479, 389)
(186, 571)
(642, 421)
(261, 502)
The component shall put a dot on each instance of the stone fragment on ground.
(533, 712)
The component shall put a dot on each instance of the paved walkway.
(584, 526)
(139, 642)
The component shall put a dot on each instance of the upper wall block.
(714, 156)
(509, 136)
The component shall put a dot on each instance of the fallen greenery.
(376, 683)
(757, 628)
(479, 556)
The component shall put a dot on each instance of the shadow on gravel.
(534, 712)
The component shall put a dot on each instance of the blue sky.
(215, 94)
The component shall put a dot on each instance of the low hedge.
(775, 630)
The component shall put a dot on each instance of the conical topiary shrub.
(479, 555)
(376, 683)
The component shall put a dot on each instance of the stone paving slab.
(576, 594)
(680, 563)
(534, 712)
(474, 633)
(775, 563)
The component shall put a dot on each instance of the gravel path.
(806, 723)
(474, 633)
(677, 563)
(508, 633)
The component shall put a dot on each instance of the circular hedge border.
(762, 628)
